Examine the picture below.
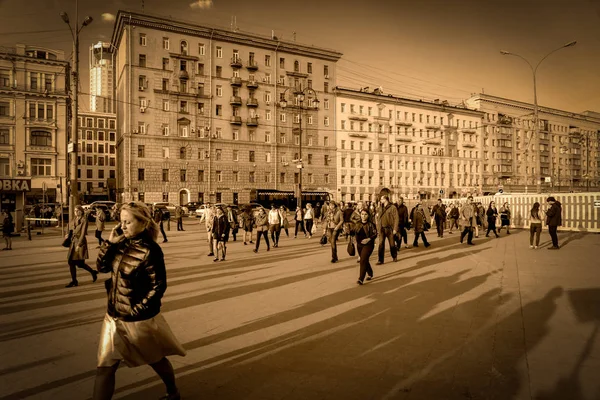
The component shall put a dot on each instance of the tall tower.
(101, 78)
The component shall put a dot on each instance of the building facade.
(417, 149)
(33, 126)
(200, 118)
(102, 98)
(96, 160)
(565, 156)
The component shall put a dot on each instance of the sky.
(421, 49)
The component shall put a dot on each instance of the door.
(183, 198)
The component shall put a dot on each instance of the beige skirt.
(136, 343)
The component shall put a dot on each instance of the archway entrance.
(184, 197)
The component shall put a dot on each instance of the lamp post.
(74, 197)
(535, 103)
(301, 95)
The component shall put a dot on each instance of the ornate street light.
(300, 97)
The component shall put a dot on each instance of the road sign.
(70, 147)
(547, 179)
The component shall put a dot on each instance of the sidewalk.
(491, 321)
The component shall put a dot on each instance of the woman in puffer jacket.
(262, 228)
(133, 330)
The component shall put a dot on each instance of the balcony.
(403, 123)
(434, 127)
(252, 85)
(469, 130)
(252, 121)
(435, 141)
(235, 120)
(403, 138)
(236, 62)
(574, 131)
(252, 65)
(470, 145)
(381, 118)
(235, 100)
(236, 81)
(252, 102)
(357, 117)
(358, 134)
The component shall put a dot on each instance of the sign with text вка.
(15, 185)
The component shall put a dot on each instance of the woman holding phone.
(133, 330)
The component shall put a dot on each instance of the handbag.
(351, 249)
(323, 240)
(426, 226)
(68, 239)
(314, 230)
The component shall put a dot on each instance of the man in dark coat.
(387, 225)
(439, 214)
(402, 224)
(158, 217)
(553, 220)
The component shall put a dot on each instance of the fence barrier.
(579, 210)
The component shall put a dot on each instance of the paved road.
(490, 321)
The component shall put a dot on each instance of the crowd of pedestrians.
(134, 331)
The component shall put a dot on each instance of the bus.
(266, 197)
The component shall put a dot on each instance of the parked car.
(192, 206)
(200, 211)
(107, 203)
(171, 207)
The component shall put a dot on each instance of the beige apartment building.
(200, 116)
(565, 157)
(33, 126)
(415, 148)
(96, 160)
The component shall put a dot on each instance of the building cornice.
(125, 18)
(529, 107)
(400, 101)
(97, 114)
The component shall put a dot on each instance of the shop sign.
(15, 185)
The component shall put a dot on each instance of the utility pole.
(74, 196)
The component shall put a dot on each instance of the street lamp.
(74, 197)
(535, 103)
(300, 95)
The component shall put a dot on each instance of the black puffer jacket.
(139, 278)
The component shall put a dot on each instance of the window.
(326, 104)
(165, 152)
(4, 136)
(267, 137)
(326, 176)
(282, 117)
(251, 176)
(219, 71)
(141, 150)
(218, 154)
(219, 52)
(183, 107)
(182, 175)
(165, 130)
(235, 155)
(282, 63)
(219, 91)
(182, 153)
(165, 104)
(326, 87)
(326, 159)
(165, 65)
(41, 138)
(183, 47)
(326, 121)
(268, 115)
(326, 70)
(326, 141)
(236, 176)
(142, 39)
(267, 60)
(201, 49)
(236, 135)
(141, 174)
(219, 110)
(268, 156)
(200, 175)
(165, 175)
(309, 68)
(41, 167)
(165, 43)
(309, 159)
(142, 60)
(33, 81)
(4, 109)
(4, 79)
(251, 156)
(89, 148)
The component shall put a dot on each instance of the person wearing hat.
(553, 220)
(78, 250)
(334, 221)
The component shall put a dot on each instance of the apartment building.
(33, 126)
(200, 116)
(96, 160)
(564, 157)
(102, 74)
(415, 148)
